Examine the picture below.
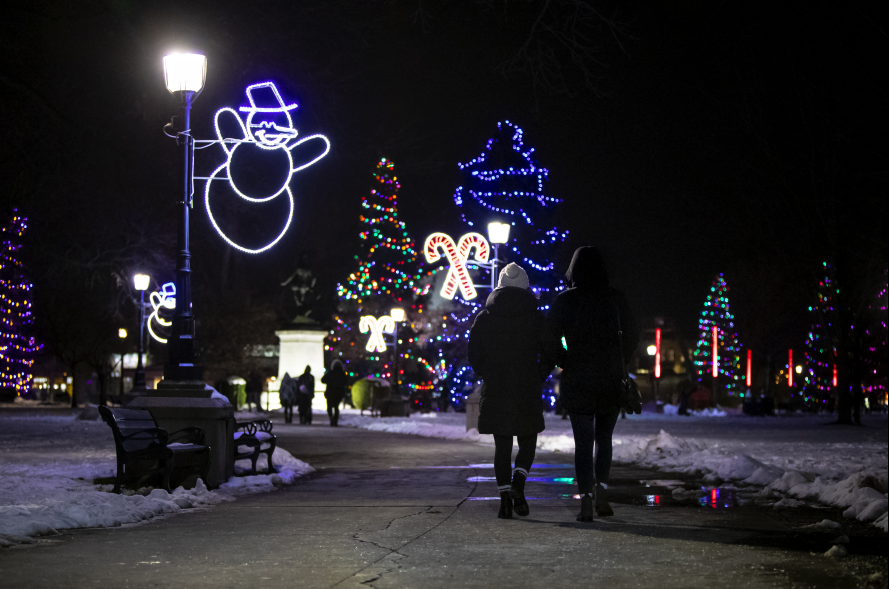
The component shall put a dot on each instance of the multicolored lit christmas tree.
(820, 372)
(17, 346)
(875, 367)
(506, 184)
(389, 275)
(716, 313)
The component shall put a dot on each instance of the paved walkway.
(389, 510)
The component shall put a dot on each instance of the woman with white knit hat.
(507, 351)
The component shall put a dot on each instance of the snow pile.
(47, 468)
(792, 458)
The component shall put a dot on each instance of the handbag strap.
(620, 342)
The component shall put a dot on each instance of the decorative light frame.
(282, 139)
(377, 326)
(457, 254)
(162, 299)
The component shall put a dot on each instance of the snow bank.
(47, 468)
(791, 459)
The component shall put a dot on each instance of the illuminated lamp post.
(498, 233)
(122, 333)
(140, 281)
(715, 364)
(653, 351)
(184, 74)
(657, 359)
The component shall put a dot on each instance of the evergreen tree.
(389, 275)
(17, 346)
(504, 183)
(716, 313)
(874, 383)
(820, 356)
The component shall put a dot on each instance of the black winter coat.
(592, 364)
(336, 389)
(507, 351)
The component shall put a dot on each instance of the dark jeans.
(288, 413)
(334, 413)
(503, 449)
(589, 429)
(304, 406)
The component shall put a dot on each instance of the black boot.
(586, 514)
(517, 492)
(506, 510)
(603, 509)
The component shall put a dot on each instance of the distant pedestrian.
(254, 391)
(305, 393)
(287, 395)
(507, 350)
(588, 316)
(336, 382)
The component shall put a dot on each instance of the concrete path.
(389, 510)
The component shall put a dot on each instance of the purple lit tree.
(17, 346)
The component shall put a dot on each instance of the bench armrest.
(194, 435)
(157, 431)
(248, 427)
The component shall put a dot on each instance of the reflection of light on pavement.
(555, 480)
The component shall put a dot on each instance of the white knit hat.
(513, 275)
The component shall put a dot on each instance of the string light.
(17, 346)
(718, 346)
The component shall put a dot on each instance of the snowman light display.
(267, 136)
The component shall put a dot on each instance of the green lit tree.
(716, 313)
(389, 275)
(820, 356)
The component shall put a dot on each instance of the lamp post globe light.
(184, 75)
(140, 281)
(498, 233)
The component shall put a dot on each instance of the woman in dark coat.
(506, 350)
(588, 315)
(335, 378)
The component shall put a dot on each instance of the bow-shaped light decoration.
(457, 255)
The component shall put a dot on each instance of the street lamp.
(498, 233)
(398, 315)
(121, 333)
(140, 281)
(184, 75)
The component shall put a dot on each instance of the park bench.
(253, 436)
(144, 449)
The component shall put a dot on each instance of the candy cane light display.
(377, 326)
(457, 255)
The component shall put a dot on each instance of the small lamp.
(185, 72)
(798, 369)
(651, 350)
(122, 333)
(397, 314)
(141, 281)
(498, 232)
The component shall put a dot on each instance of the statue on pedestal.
(302, 285)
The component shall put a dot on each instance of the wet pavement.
(387, 510)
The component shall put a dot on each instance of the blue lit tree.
(17, 346)
(504, 183)
(716, 313)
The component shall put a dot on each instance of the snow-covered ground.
(789, 459)
(47, 469)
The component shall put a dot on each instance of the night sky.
(742, 138)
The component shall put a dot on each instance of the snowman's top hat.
(266, 99)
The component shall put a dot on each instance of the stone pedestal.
(176, 405)
(394, 406)
(472, 405)
(302, 345)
